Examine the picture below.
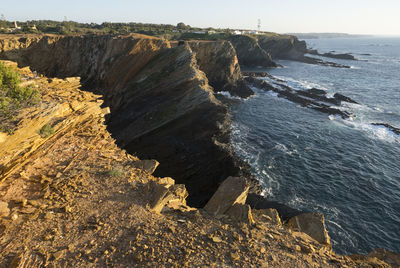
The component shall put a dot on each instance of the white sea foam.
(375, 132)
(228, 95)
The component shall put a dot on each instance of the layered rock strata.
(219, 61)
(288, 47)
(162, 106)
(249, 52)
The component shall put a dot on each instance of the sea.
(347, 169)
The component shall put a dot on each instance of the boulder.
(166, 181)
(312, 224)
(160, 195)
(157, 196)
(147, 165)
(232, 191)
(241, 213)
(4, 210)
(387, 256)
(270, 214)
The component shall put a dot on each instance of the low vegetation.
(13, 97)
(116, 172)
(180, 31)
(46, 131)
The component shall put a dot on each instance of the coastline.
(37, 56)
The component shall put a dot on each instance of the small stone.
(59, 254)
(14, 216)
(262, 250)
(307, 248)
(297, 248)
(71, 247)
(4, 210)
(235, 256)
(216, 239)
(33, 203)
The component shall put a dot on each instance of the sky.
(285, 16)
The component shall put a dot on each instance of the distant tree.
(182, 26)
(3, 22)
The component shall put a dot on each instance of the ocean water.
(347, 169)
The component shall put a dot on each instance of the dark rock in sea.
(366, 54)
(342, 56)
(341, 97)
(316, 91)
(250, 53)
(314, 98)
(390, 127)
(311, 60)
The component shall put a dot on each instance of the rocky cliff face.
(250, 53)
(219, 61)
(75, 199)
(283, 46)
(162, 106)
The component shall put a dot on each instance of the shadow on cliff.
(162, 106)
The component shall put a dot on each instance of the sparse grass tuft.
(116, 172)
(46, 131)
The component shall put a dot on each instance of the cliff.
(219, 60)
(161, 104)
(283, 46)
(250, 53)
(288, 47)
(74, 198)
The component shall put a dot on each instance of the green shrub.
(117, 172)
(46, 131)
(13, 97)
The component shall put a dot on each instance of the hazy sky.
(348, 16)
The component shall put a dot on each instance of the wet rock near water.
(390, 127)
(315, 99)
(342, 56)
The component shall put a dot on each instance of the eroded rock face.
(250, 53)
(219, 61)
(288, 47)
(162, 106)
(283, 46)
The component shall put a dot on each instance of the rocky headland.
(82, 197)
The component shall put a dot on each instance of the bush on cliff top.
(13, 97)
